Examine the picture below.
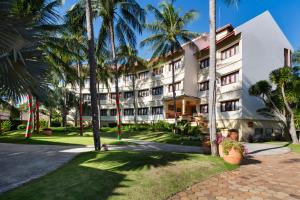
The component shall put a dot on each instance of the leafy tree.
(169, 31)
(120, 20)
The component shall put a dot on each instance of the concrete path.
(20, 163)
(271, 177)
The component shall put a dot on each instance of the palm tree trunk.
(80, 97)
(174, 93)
(212, 77)
(37, 116)
(99, 105)
(112, 36)
(92, 64)
(134, 99)
(292, 128)
(50, 117)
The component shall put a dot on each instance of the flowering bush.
(228, 144)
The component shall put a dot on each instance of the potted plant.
(233, 151)
(47, 131)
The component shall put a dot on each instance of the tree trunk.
(112, 36)
(37, 116)
(50, 117)
(212, 77)
(92, 64)
(80, 98)
(292, 128)
(99, 105)
(134, 99)
(174, 93)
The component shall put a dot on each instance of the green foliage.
(228, 144)
(43, 124)
(135, 127)
(185, 128)
(21, 127)
(6, 125)
(55, 123)
(161, 126)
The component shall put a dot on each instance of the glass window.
(204, 63)
(229, 105)
(204, 108)
(157, 110)
(103, 96)
(143, 93)
(258, 131)
(143, 75)
(113, 112)
(128, 112)
(157, 71)
(113, 95)
(204, 86)
(128, 78)
(86, 97)
(103, 112)
(177, 65)
(176, 85)
(143, 111)
(230, 78)
(128, 95)
(157, 90)
(231, 51)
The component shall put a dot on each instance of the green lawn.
(294, 147)
(108, 136)
(121, 175)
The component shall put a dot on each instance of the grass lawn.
(108, 136)
(293, 147)
(121, 175)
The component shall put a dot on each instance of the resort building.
(245, 54)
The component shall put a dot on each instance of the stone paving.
(260, 177)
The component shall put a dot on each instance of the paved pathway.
(261, 177)
(21, 163)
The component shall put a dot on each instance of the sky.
(285, 12)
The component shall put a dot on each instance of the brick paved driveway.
(261, 177)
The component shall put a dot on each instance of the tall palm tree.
(212, 73)
(169, 31)
(120, 20)
(130, 61)
(92, 65)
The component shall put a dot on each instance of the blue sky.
(286, 14)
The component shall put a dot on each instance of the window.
(204, 63)
(230, 78)
(87, 83)
(113, 95)
(204, 108)
(157, 110)
(204, 86)
(103, 112)
(86, 97)
(143, 111)
(129, 78)
(157, 90)
(258, 131)
(176, 85)
(143, 75)
(102, 96)
(113, 112)
(171, 107)
(157, 71)
(143, 93)
(229, 105)
(177, 65)
(128, 112)
(269, 132)
(231, 51)
(128, 95)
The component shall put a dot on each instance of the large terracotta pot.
(234, 157)
(221, 150)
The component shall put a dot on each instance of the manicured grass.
(293, 147)
(59, 137)
(108, 136)
(121, 175)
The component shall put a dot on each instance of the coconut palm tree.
(212, 73)
(92, 66)
(169, 31)
(130, 61)
(120, 20)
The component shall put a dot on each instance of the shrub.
(161, 126)
(55, 123)
(21, 127)
(43, 124)
(228, 144)
(135, 127)
(6, 125)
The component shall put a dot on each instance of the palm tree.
(212, 73)
(130, 61)
(120, 18)
(168, 33)
(92, 65)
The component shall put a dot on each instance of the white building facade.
(245, 55)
